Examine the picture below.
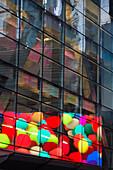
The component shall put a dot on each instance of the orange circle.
(37, 116)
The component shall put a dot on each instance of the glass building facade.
(56, 79)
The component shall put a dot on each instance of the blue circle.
(21, 123)
(43, 136)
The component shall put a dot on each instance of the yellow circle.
(83, 146)
(32, 124)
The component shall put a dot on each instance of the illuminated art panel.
(66, 136)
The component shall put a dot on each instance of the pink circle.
(82, 120)
(84, 161)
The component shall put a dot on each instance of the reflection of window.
(55, 7)
(28, 82)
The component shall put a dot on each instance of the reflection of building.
(56, 71)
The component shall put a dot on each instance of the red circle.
(9, 114)
(23, 140)
(76, 139)
(22, 150)
(95, 127)
(66, 128)
(76, 156)
(9, 131)
(55, 153)
(53, 121)
(9, 121)
(48, 146)
(25, 116)
(65, 147)
(93, 138)
(33, 143)
(64, 138)
(10, 147)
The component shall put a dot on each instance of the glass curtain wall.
(56, 76)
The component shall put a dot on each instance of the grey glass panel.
(106, 78)
(53, 49)
(89, 69)
(91, 30)
(74, 18)
(71, 81)
(107, 40)
(107, 159)
(39, 2)
(28, 85)
(73, 60)
(27, 105)
(106, 59)
(31, 37)
(53, 26)
(30, 60)
(52, 72)
(51, 95)
(89, 89)
(71, 102)
(32, 13)
(73, 38)
(8, 24)
(11, 5)
(91, 49)
(107, 117)
(8, 50)
(107, 97)
(7, 104)
(92, 11)
(7, 76)
(106, 21)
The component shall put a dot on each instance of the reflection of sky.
(105, 5)
(105, 18)
(58, 9)
(79, 6)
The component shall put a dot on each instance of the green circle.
(73, 132)
(32, 130)
(53, 138)
(66, 119)
(4, 141)
(88, 129)
(21, 132)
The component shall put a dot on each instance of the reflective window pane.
(53, 49)
(28, 85)
(51, 95)
(53, 26)
(8, 24)
(31, 37)
(52, 71)
(71, 81)
(32, 13)
(73, 60)
(89, 89)
(7, 76)
(89, 69)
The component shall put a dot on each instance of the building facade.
(56, 80)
